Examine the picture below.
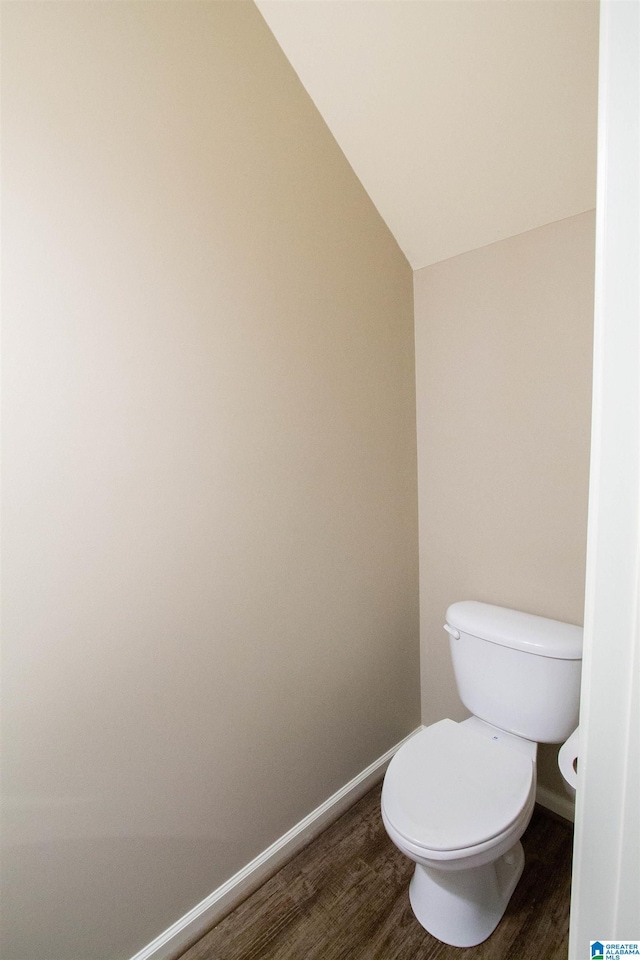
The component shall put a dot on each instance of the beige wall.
(503, 358)
(466, 122)
(210, 549)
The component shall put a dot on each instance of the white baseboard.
(182, 934)
(564, 806)
(189, 928)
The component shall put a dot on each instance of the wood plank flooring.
(345, 897)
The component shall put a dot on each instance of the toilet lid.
(450, 787)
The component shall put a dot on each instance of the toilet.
(458, 796)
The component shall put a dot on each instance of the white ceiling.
(467, 121)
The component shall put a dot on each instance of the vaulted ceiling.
(467, 121)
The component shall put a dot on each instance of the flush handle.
(454, 633)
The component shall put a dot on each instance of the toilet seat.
(449, 789)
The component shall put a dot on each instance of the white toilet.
(457, 797)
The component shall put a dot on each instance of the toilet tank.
(517, 671)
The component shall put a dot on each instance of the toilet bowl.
(458, 796)
(456, 800)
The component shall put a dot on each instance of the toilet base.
(463, 907)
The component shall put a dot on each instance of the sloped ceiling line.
(467, 121)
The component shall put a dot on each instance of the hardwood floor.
(345, 897)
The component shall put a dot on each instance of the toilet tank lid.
(520, 631)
